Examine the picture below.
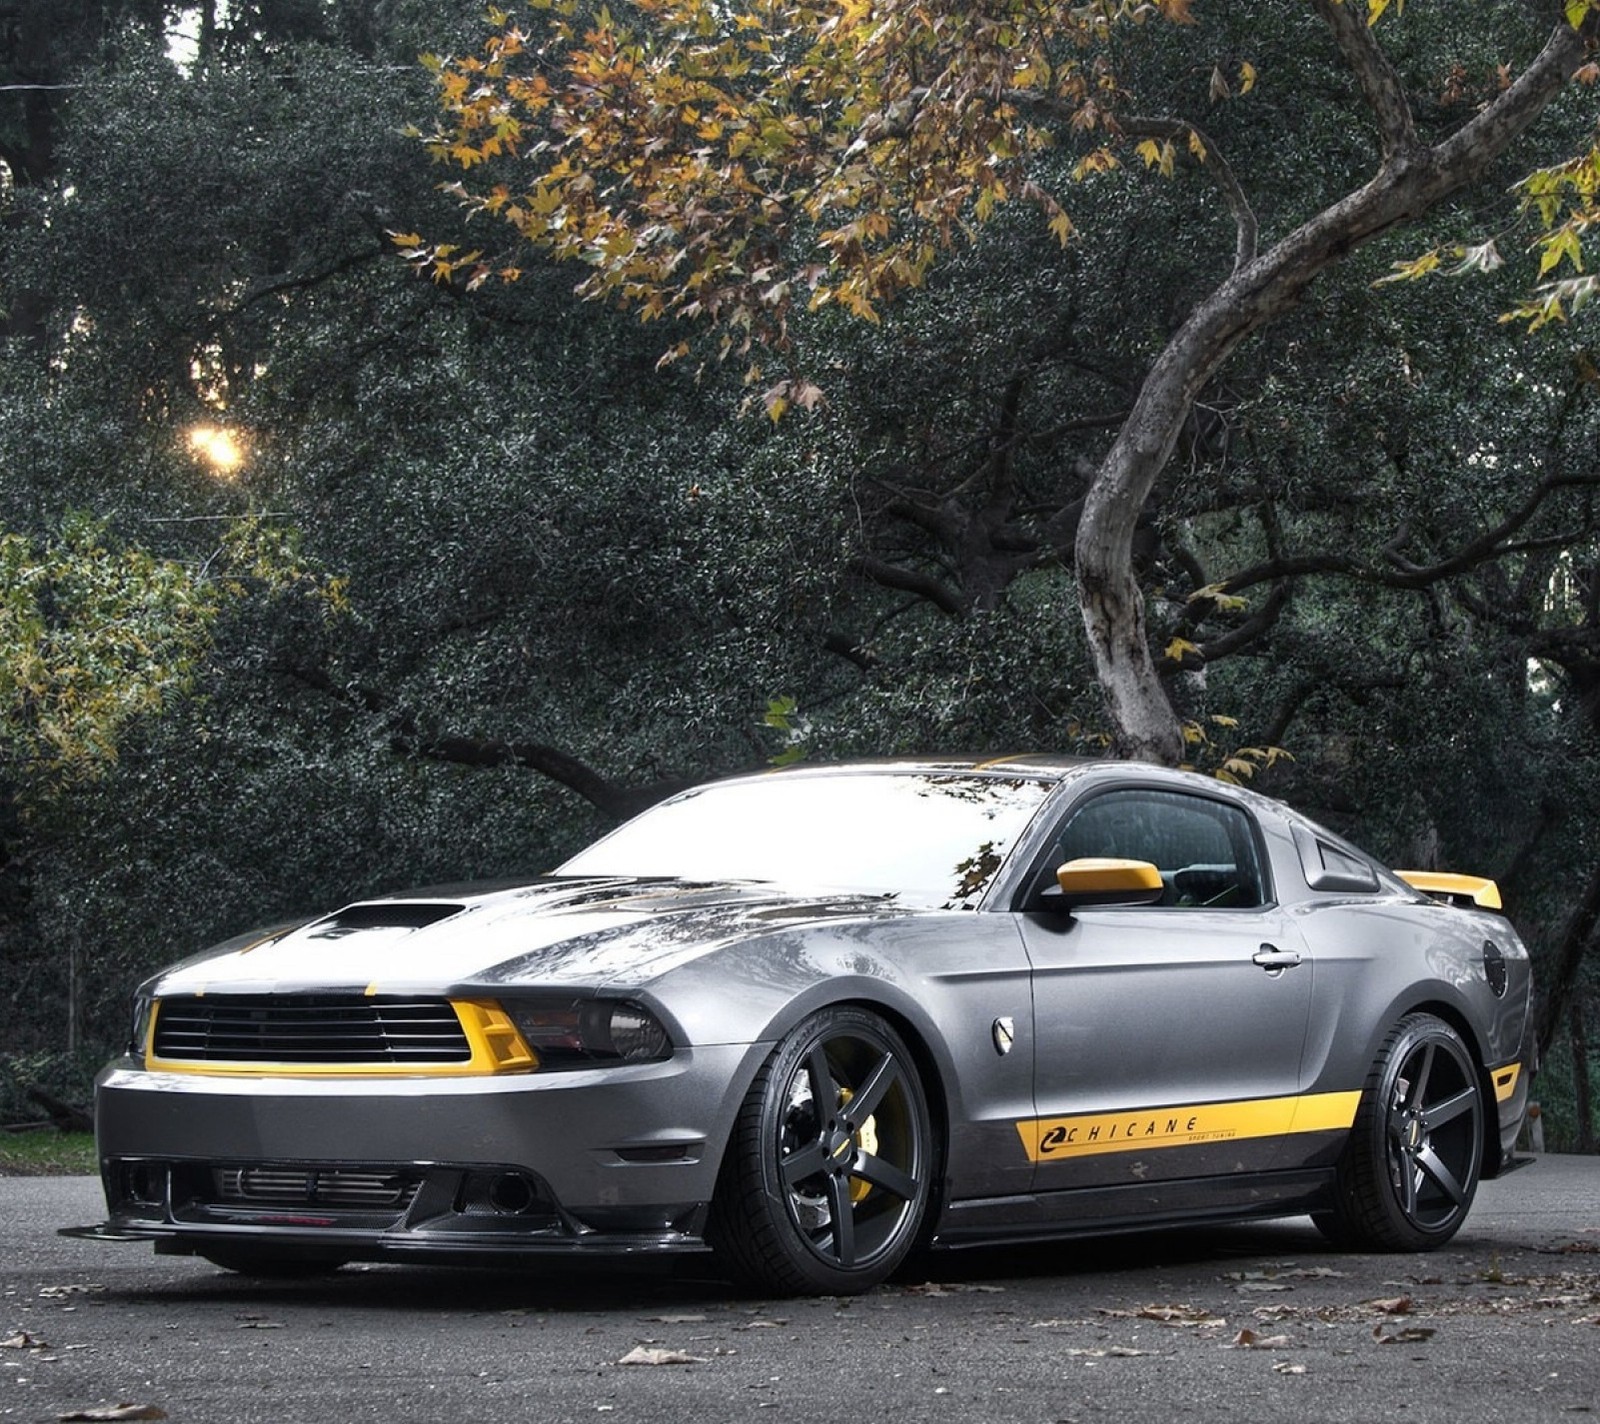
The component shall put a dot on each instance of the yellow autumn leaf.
(1412, 270)
(1562, 246)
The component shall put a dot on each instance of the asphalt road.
(1242, 1323)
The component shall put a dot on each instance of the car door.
(1168, 1037)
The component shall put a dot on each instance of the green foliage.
(95, 635)
(48, 1153)
(783, 716)
(91, 637)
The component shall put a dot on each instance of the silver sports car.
(817, 1019)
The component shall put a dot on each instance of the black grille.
(326, 1187)
(309, 1028)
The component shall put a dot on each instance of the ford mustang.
(817, 1019)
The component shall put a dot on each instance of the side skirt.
(1095, 1211)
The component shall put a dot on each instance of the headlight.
(588, 1033)
(139, 1027)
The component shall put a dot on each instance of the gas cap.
(1494, 967)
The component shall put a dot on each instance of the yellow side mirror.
(1103, 880)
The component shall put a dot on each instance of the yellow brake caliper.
(866, 1139)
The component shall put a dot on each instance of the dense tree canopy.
(736, 167)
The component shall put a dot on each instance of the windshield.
(930, 838)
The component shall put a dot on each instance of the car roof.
(1054, 768)
(1042, 766)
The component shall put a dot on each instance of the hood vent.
(383, 915)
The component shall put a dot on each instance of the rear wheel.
(1410, 1169)
(828, 1174)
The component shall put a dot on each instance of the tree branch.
(615, 800)
(611, 797)
(1380, 85)
(903, 580)
(1409, 182)
(1246, 227)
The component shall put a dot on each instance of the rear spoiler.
(1467, 891)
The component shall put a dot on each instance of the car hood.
(562, 932)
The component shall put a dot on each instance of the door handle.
(1275, 960)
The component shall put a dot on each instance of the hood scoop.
(384, 915)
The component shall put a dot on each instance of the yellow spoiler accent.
(1485, 894)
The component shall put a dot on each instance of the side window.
(1204, 849)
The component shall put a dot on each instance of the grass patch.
(48, 1153)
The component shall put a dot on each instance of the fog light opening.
(512, 1194)
(144, 1183)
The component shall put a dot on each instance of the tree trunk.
(1583, 1099)
(1577, 937)
(1411, 179)
(206, 39)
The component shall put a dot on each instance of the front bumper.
(373, 1212)
(619, 1160)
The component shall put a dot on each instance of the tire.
(827, 1178)
(1410, 1169)
(267, 1264)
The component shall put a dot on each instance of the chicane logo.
(1061, 1136)
(1053, 1139)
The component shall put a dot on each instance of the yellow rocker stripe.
(1141, 1129)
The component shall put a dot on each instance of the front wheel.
(1410, 1170)
(827, 1177)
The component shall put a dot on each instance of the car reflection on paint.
(815, 1020)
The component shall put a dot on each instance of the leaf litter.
(653, 1355)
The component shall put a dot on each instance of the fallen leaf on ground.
(1111, 1352)
(1399, 1305)
(1166, 1314)
(1411, 1335)
(958, 1288)
(1283, 1367)
(649, 1355)
(1247, 1339)
(674, 1319)
(23, 1341)
(113, 1412)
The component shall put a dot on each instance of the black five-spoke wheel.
(1410, 1170)
(827, 1178)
